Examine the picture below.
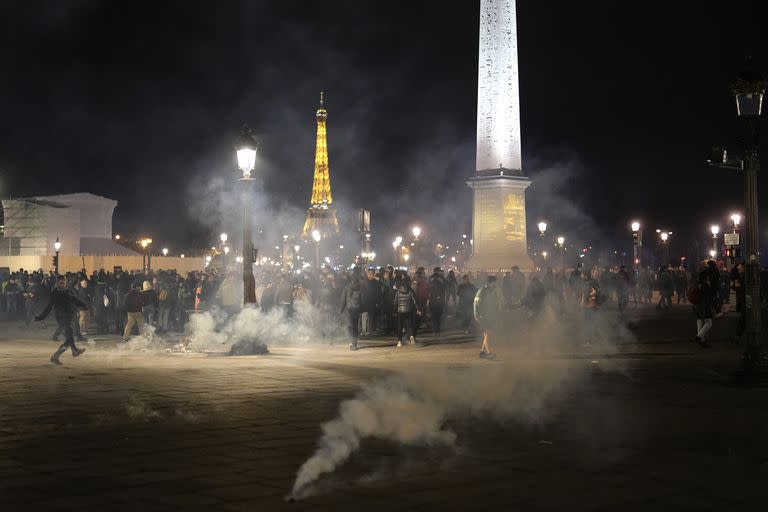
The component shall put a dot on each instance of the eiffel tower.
(321, 215)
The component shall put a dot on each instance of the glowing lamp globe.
(316, 235)
(542, 227)
(560, 240)
(246, 152)
(748, 90)
(165, 251)
(736, 218)
(635, 227)
(714, 229)
(223, 237)
(57, 245)
(664, 236)
(226, 249)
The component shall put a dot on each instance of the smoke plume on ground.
(416, 408)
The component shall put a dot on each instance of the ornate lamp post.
(396, 248)
(748, 91)
(246, 161)
(715, 230)
(561, 245)
(57, 248)
(145, 243)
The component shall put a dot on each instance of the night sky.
(141, 102)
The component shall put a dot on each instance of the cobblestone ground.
(653, 427)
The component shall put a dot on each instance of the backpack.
(693, 294)
(355, 299)
(163, 295)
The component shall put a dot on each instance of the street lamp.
(542, 228)
(57, 248)
(748, 91)
(416, 232)
(246, 161)
(561, 244)
(712, 253)
(223, 237)
(165, 251)
(316, 236)
(145, 243)
(664, 235)
(715, 230)
(736, 219)
(637, 242)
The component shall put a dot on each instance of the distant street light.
(637, 243)
(542, 228)
(416, 232)
(117, 237)
(561, 244)
(57, 248)
(246, 161)
(223, 237)
(165, 251)
(316, 236)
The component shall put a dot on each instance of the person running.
(486, 309)
(64, 303)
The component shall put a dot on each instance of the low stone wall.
(97, 262)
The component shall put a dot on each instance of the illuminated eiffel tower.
(320, 215)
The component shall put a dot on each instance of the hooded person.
(149, 302)
(352, 305)
(64, 304)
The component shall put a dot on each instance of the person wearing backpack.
(352, 305)
(486, 310)
(404, 304)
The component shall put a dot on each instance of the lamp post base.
(752, 370)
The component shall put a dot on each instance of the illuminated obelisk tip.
(498, 89)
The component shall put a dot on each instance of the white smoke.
(415, 408)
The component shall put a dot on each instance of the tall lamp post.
(664, 235)
(225, 250)
(246, 161)
(57, 248)
(542, 232)
(715, 230)
(561, 244)
(316, 236)
(748, 91)
(416, 231)
(637, 243)
(396, 247)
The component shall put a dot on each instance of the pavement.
(652, 425)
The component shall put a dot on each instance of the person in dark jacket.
(404, 305)
(85, 296)
(133, 310)
(64, 304)
(705, 309)
(149, 303)
(352, 305)
(437, 293)
(466, 297)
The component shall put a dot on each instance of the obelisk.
(498, 185)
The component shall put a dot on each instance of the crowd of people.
(375, 302)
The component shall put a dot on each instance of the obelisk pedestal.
(498, 214)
